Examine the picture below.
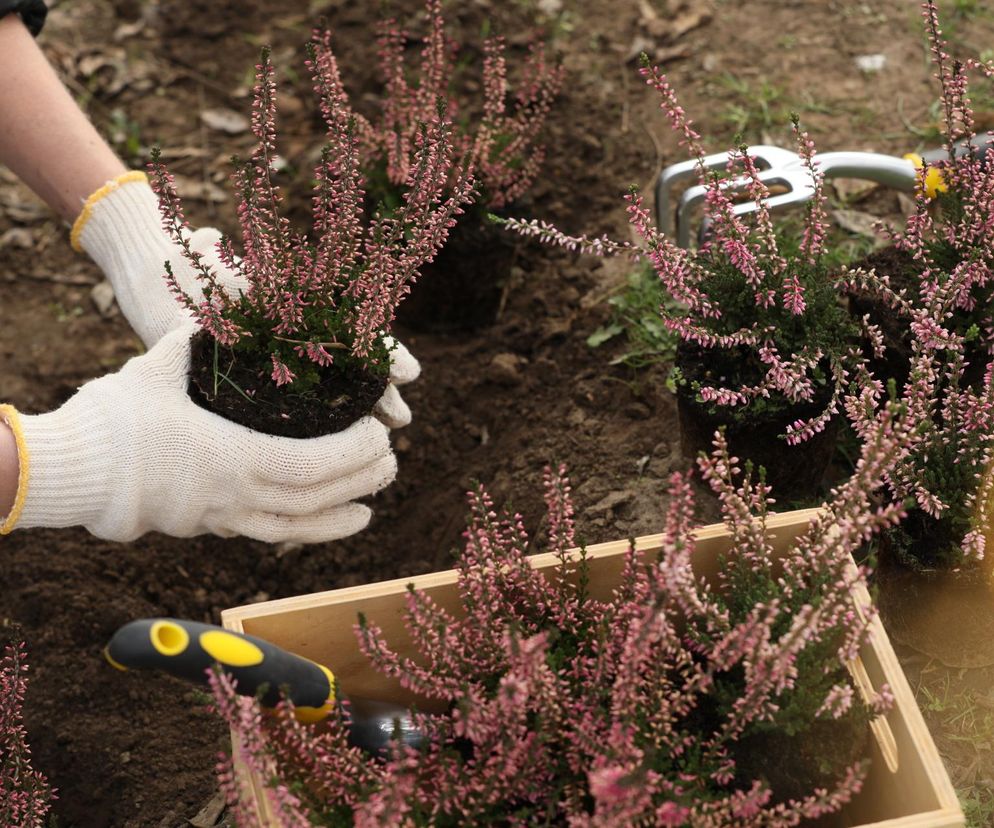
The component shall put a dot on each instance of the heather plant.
(949, 241)
(25, 795)
(945, 478)
(647, 708)
(500, 138)
(950, 235)
(324, 300)
(760, 306)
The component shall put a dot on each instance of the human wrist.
(9, 471)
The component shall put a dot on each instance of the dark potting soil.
(795, 765)
(461, 289)
(922, 544)
(930, 599)
(753, 431)
(903, 272)
(343, 398)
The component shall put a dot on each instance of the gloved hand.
(131, 453)
(120, 226)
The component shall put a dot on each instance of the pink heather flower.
(281, 374)
(337, 290)
(25, 795)
(838, 701)
(813, 235)
(579, 711)
(606, 783)
(672, 815)
(793, 295)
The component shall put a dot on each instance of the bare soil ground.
(494, 405)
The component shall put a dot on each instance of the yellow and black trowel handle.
(186, 649)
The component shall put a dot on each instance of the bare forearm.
(44, 137)
(8, 470)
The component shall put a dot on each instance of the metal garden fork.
(784, 170)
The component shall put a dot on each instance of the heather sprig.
(760, 301)
(328, 298)
(25, 795)
(501, 139)
(950, 235)
(949, 239)
(946, 477)
(647, 707)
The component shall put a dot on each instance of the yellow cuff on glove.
(9, 415)
(107, 189)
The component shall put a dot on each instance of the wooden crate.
(917, 794)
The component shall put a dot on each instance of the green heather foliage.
(25, 795)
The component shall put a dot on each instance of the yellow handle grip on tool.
(934, 182)
(186, 649)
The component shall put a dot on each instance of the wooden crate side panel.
(921, 786)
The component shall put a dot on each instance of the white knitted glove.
(131, 453)
(121, 228)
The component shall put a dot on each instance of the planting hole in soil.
(464, 287)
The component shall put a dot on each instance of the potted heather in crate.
(766, 350)
(463, 287)
(25, 795)
(701, 677)
(304, 350)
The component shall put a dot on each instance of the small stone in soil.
(503, 369)
(611, 501)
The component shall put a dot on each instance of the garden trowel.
(187, 649)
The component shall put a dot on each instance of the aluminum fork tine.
(675, 173)
(767, 157)
(797, 181)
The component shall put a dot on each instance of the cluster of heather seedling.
(949, 475)
(651, 706)
(328, 299)
(762, 305)
(950, 236)
(945, 476)
(25, 795)
(950, 241)
(501, 140)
